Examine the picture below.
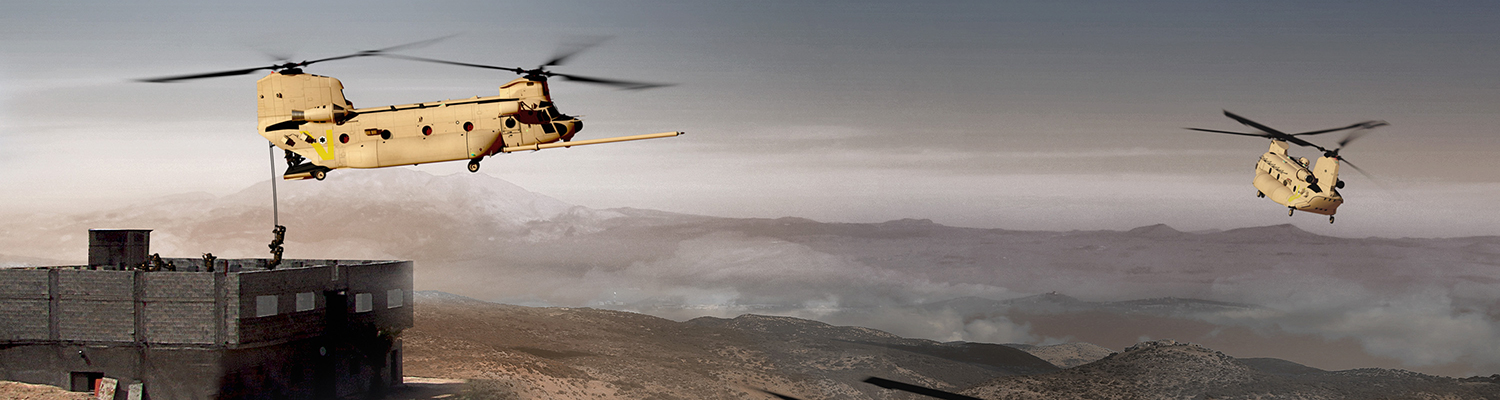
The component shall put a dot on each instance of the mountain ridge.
(1170, 369)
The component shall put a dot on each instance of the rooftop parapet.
(240, 304)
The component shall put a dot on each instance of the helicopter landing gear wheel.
(1330, 219)
(1290, 211)
(474, 165)
(319, 174)
(1259, 194)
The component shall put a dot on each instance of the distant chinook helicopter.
(307, 116)
(1293, 182)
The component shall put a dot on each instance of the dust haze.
(1423, 304)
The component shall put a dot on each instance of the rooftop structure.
(309, 329)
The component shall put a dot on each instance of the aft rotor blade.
(1373, 179)
(205, 75)
(1230, 133)
(1357, 168)
(1365, 125)
(576, 47)
(1356, 134)
(1253, 124)
(890, 384)
(461, 64)
(611, 82)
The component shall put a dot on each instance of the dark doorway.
(84, 381)
(336, 318)
(335, 323)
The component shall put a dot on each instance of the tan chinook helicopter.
(1295, 183)
(307, 116)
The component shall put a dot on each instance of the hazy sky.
(1030, 115)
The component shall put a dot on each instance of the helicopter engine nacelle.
(324, 113)
(1306, 176)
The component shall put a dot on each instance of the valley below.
(515, 352)
(1426, 305)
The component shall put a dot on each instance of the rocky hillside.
(539, 353)
(1170, 370)
(1067, 355)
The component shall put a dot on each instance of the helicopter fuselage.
(308, 115)
(1297, 184)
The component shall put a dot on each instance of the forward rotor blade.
(1253, 124)
(890, 384)
(206, 75)
(1271, 135)
(578, 46)
(1230, 133)
(611, 82)
(461, 64)
(288, 65)
(376, 52)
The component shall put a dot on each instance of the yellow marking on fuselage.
(323, 147)
(1294, 196)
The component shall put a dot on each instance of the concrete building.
(308, 329)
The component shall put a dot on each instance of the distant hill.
(1056, 303)
(541, 353)
(1171, 370)
(1069, 355)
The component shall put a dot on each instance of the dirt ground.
(27, 391)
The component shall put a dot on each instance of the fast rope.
(279, 231)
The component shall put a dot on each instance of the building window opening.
(393, 298)
(364, 302)
(265, 306)
(305, 301)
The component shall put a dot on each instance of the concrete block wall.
(180, 307)
(96, 305)
(108, 306)
(284, 284)
(23, 320)
(24, 302)
(184, 323)
(377, 280)
(23, 284)
(178, 286)
(200, 308)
